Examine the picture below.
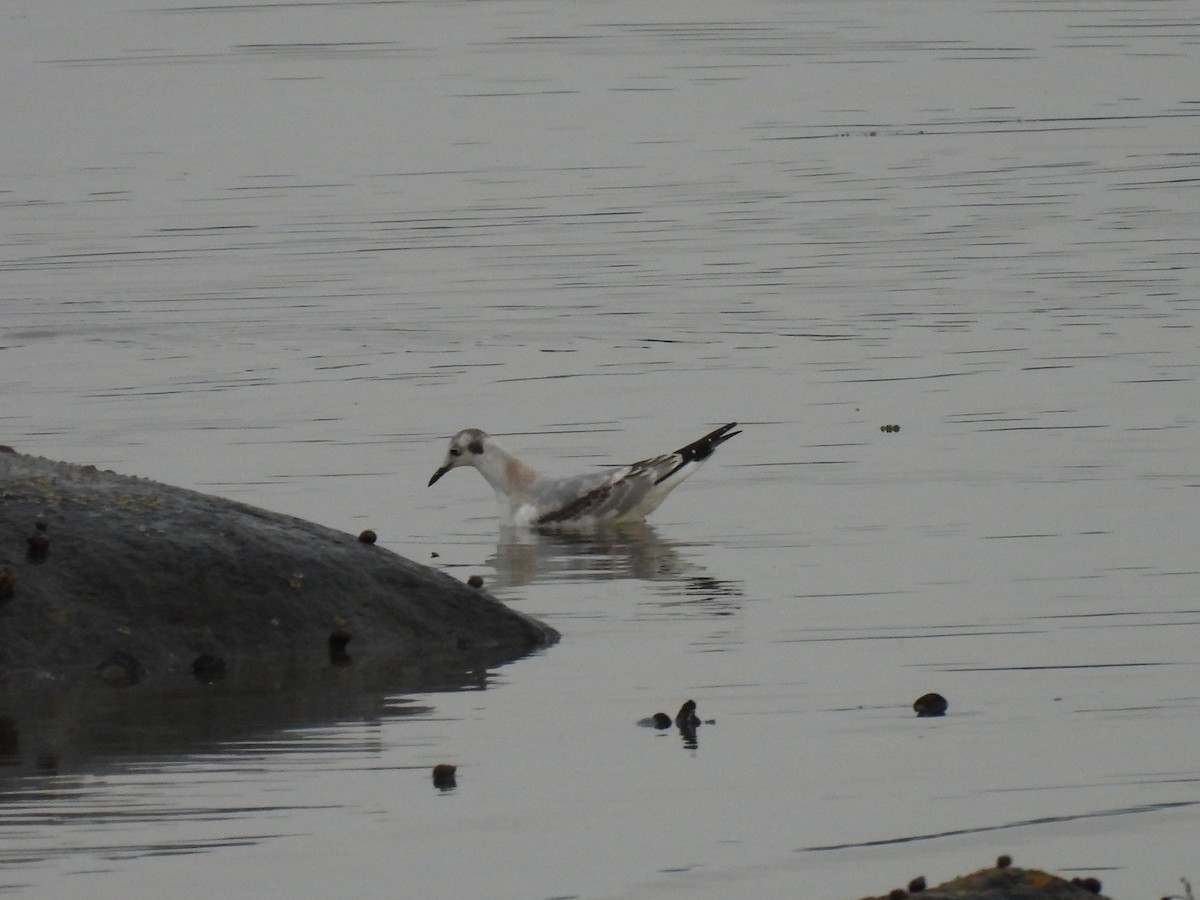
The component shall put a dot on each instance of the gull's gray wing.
(603, 495)
(635, 489)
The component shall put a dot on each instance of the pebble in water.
(443, 776)
(928, 705)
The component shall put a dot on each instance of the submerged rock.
(659, 720)
(444, 776)
(1007, 883)
(930, 705)
(164, 576)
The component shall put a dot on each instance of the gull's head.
(466, 449)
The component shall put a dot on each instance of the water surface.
(280, 252)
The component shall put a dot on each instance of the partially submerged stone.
(444, 776)
(158, 576)
(930, 705)
(1006, 883)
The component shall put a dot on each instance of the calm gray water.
(281, 251)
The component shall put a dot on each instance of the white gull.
(623, 494)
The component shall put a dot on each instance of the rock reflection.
(630, 551)
(85, 725)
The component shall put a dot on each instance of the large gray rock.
(137, 580)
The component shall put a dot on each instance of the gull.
(622, 494)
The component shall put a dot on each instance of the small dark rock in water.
(434, 555)
(338, 640)
(1003, 861)
(659, 720)
(368, 537)
(930, 705)
(917, 885)
(475, 581)
(686, 717)
(208, 668)
(8, 584)
(120, 670)
(443, 776)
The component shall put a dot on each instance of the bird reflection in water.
(630, 551)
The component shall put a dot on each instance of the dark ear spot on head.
(476, 446)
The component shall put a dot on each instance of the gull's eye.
(456, 451)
